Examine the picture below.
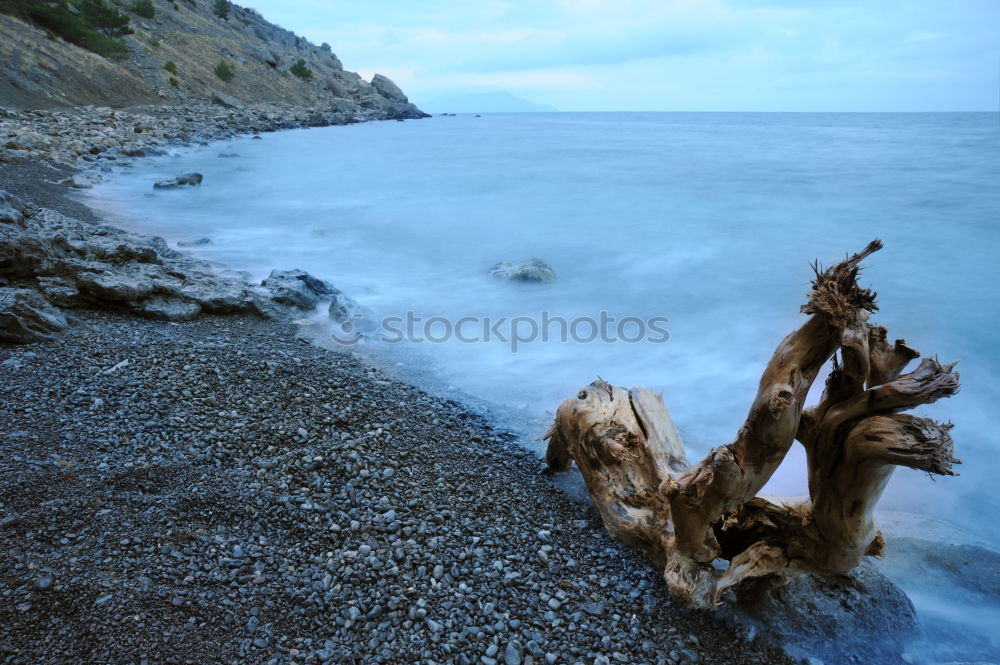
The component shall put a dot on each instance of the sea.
(683, 245)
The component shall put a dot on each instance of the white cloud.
(706, 54)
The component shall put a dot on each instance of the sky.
(671, 55)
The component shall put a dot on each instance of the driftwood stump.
(685, 517)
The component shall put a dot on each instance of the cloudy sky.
(662, 55)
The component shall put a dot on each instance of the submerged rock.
(533, 271)
(185, 179)
(194, 242)
(25, 317)
(831, 615)
(950, 578)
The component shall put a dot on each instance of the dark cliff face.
(39, 71)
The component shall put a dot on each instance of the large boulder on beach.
(828, 616)
(25, 317)
(531, 271)
(297, 288)
(28, 140)
(187, 179)
(78, 265)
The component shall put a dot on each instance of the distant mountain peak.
(483, 102)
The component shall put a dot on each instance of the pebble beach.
(219, 491)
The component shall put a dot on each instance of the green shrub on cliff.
(170, 66)
(222, 9)
(144, 8)
(108, 20)
(90, 24)
(223, 71)
(300, 70)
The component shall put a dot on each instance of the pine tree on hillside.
(108, 20)
(90, 24)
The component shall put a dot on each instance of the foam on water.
(708, 219)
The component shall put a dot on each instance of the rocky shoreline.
(98, 138)
(50, 260)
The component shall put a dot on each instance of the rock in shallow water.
(25, 317)
(833, 615)
(194, 242)
(189, 178)
(354, 318)
(532, 271)
(297, 288)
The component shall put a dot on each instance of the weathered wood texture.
(685, 517)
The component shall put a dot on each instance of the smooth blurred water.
(710, 219)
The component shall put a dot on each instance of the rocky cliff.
(172, 59)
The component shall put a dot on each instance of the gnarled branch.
(633, 462)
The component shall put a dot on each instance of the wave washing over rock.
(75, 264)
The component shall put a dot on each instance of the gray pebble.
(513, 654)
